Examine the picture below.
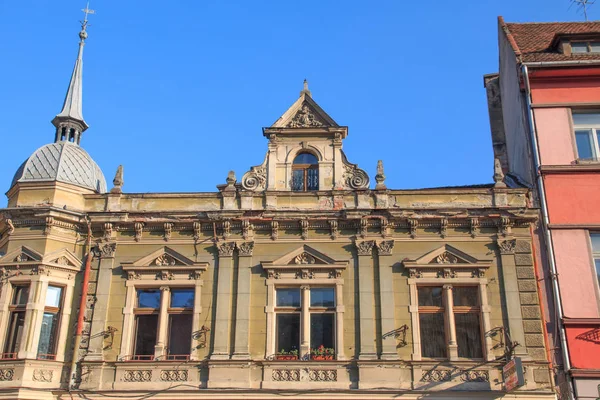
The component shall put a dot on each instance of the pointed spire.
(69, 122)
(380, 177)
(305, 89)
(118, 181)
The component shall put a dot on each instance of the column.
(339, 321)
(128, 322)
(97, 327)
(511, 295)
(220, 329)
(242, 317)
(305, 323)
(196, 319)
(366, 300)
(387, 304)
(450, 325)
(160, 350)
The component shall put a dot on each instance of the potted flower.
(287, 355)
(322, 353)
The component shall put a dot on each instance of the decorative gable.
(63, 258)
(20, 255)
(304, 263)
(164, 263)
(305, 113)
(446, 262)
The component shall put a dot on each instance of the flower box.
(286, 357)
(324, 357)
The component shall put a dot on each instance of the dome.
(63, 162)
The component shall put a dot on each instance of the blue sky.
(178, 91)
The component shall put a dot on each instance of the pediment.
(305, 113)
(304, 256)
(447, 261)
(63, 258)
(21, 255)
(163, 257)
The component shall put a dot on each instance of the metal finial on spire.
(69, 122)
(305, 89)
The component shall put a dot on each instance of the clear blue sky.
(178, 91)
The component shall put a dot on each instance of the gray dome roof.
(63, 162)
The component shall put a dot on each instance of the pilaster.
(242, 320)
(386, 299)
(221, 327)
(366, 300)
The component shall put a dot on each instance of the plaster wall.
(573, 199)
(583, 346)
(566, 91)
(514, 113)
(554, 136)
(576, 277)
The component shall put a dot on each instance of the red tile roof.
(533, 41)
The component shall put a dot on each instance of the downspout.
(82, 305)
(547, 234)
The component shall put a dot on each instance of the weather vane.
(583, 5)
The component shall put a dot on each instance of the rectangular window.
(16, 321)
(587, 133)
(435, 312)
(431, 321)
(146, 323)
(319, 308)
(180, 324)
(50, 322)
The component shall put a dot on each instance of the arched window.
(305, 173)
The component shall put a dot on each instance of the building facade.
(545, 114)
(300, 279)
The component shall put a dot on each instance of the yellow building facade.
(300, 279)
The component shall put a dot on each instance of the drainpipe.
(82, 305)
(547, 234)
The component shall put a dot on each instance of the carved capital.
(507, 246)
(245, 249)
(385, 247)
(364, 248)
(226, 249)
(105, 250)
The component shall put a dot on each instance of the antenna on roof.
(583, 6)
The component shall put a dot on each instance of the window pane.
(595, 242)
(597, 262)
(305, 158)
(48, 334)
(182, 298)
(595, 47)
(430, 296)
(468, 335)
(288, 297)
(321, 331)
(288, 332)
(322, 297)
(465, 296)
(145, 335)
(180, 333)
(312, 179)
(298, 179)
(433, 338)
(584, 144)
(586, 119)
(148, 298)
(53, 296)
(579, 47)
(15, 332)
(20, 296)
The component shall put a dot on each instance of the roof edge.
(513, 43)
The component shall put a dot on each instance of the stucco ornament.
(255, 179)
(355, 178)
(304, 118)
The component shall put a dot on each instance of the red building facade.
(545, 118)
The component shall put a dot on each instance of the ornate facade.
(300, 278)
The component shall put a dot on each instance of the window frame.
(305, 168)
(12, 310)
(594, 131)
(595, 256)
(56, 311)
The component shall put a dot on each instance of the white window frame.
(594, 129)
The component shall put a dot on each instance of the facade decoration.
(263, 288)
